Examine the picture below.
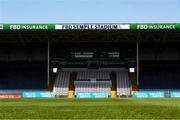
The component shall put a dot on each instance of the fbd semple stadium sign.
(95, 26)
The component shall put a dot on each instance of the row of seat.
(93, 74)
(93, 87)
(123, 83)
(61, 86)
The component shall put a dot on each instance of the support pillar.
(137, 61)
(48, 61)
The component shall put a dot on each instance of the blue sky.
(89, 11)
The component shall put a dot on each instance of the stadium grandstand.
(69, 60)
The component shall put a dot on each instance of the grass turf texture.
(90, 108)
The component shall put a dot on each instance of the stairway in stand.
(114, 84)
(71, 85)
(51, 82)
(133, 80)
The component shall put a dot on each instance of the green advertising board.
(90, 26)
(28, 27)
(154, 26)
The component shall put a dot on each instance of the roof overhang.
(89, 32)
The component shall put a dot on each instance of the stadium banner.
(91, 95)
(37, 95)
(154, 26)
(175, 94)
(95, 26)
(10, 95)
(149, 94)
(89, 26)
(29, 27)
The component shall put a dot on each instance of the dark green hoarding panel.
(154, 26)
(29, 27)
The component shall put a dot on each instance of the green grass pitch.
(57, 108)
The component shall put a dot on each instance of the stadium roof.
(90, 26)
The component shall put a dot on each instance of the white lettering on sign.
(1, 27)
